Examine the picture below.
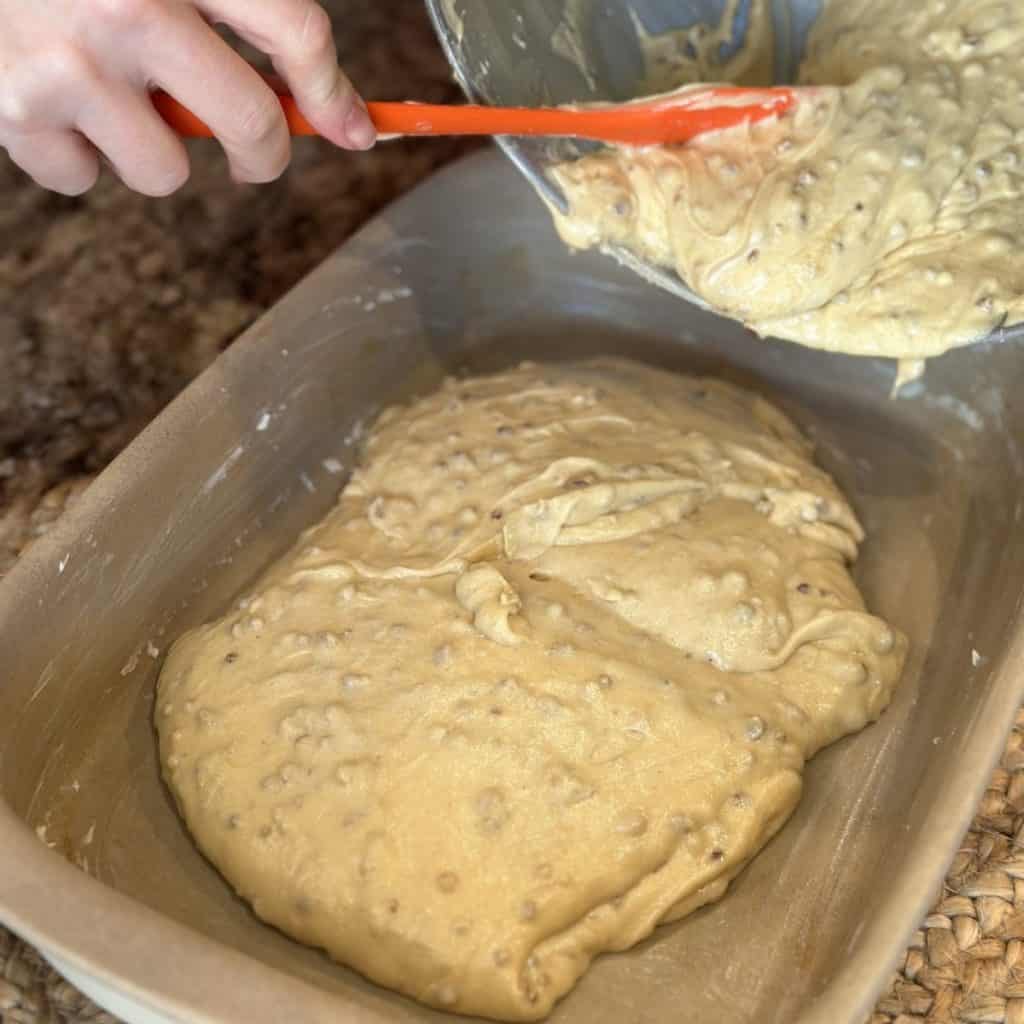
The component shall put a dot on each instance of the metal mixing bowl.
(507, 52)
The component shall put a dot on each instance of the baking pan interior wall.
(466, 273)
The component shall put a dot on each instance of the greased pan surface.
(467, 272)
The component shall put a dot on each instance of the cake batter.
(880, 217)
(546, 677)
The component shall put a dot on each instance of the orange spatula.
(674, 118)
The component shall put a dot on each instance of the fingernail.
(359, 129)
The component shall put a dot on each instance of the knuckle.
(68, 65)
(328, 87)
(261, 122)
(124, 12)
(316, 33)
(36, 93)
(15, 110)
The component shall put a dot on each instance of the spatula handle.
(642, 123)
(185, 123)
(399, 119)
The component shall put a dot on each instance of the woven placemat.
(965, 964)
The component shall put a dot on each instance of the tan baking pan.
(95, 866)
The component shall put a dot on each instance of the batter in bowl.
(880, 217)
(546, 677)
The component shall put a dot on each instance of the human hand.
(75, 77)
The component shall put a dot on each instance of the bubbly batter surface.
(881, 217)
(547, 676)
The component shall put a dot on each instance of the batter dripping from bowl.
(880, 217)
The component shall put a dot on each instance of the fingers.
(195, 66)
(297, 36)
(58, 109)
(72, 74)
(58, 160)
(146, 155)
